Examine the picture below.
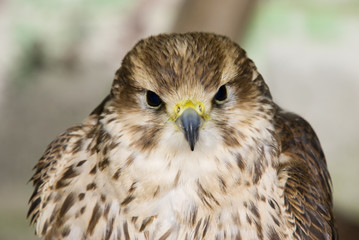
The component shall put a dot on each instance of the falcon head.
(188, 92)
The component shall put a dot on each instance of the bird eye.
(153, 100)
(221, 94)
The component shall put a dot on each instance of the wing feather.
(47, 166)
(307, 187)
(56, 168)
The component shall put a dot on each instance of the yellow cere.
(184, 104)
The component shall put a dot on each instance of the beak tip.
(190, 123)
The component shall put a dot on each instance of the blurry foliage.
(313, 17)
(321, 22)
(54, 42)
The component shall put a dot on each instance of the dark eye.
(153, 100)
(221, 94)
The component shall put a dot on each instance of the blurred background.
(58, 58)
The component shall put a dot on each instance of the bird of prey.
(187, 145)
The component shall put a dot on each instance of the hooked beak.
(189, 116)
(190, 122)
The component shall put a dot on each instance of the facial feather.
(186, 67)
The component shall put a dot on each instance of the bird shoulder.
(304, 176)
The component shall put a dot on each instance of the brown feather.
(307, 188)
(127, 172)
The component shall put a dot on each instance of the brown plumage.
(188, 145)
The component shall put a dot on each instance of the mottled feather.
(307, 191)
(128, 172)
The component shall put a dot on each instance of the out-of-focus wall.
(58, 60)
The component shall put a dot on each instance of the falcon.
(187, 145)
